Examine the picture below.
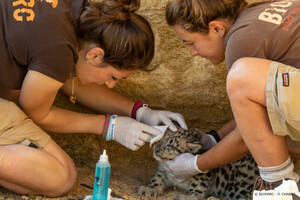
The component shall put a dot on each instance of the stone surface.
(181, 83)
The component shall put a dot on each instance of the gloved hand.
(210, 139)
(207, 141)
(156, 117)
(131, 133)
(182, 167)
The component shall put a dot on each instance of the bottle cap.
(104, 157)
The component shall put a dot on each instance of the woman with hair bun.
(260, 44)
(82, 48)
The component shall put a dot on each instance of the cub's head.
(174, 143)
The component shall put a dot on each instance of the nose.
(193, 52)
(111, 83)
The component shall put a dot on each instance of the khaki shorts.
(283, 100)
(16, 127)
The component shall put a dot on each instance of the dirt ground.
(128, 169)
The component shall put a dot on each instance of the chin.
(216, 62)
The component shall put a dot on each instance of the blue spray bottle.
(102, 174)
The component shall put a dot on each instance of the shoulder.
(56, 61)
(249, 36)
(264, 31)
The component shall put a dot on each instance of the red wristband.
(136, 106)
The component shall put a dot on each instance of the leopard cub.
(233, 181)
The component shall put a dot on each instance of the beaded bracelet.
(111, 128)
(136, 106)
(106, 125)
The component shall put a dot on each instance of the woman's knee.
(72, 177)
(64, 182)
(56, 177)
(67, 174)
(247, 79)
(238, 76)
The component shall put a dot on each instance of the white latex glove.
(131, 133)
(156, 117)
(182, 167)
(207, 141)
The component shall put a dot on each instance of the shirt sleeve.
(242, 45)
(55, 61)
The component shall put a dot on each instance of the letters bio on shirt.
(274, 13)
(23, 9)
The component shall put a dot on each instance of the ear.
(194, 135)
(217, 27)
(95, 56)
(195, 148)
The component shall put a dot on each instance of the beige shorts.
(16, 127)
(283, 100)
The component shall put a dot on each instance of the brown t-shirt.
(267, 30)
(37, 35)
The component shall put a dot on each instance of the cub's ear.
(193, 135)
(195, 147)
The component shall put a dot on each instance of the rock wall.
(181, 83)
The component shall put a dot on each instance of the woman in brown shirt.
(43, 43)
(260, 44)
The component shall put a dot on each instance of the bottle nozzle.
(104, 157)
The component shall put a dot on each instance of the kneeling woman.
(42, 43)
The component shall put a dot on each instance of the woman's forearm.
(227, 128)
(229, 149)
(66, 121)
(99, 98)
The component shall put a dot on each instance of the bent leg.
(49, 171)
(246, 87)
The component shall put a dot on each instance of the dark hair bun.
(130, 5)
(116, 10)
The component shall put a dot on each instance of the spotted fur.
(233, 181)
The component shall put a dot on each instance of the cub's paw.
(148, 192)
